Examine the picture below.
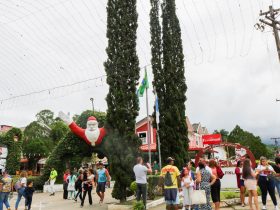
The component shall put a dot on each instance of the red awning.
(212, 139)
(145, 148)
(23, 160)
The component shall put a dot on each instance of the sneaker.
(264, 207)
(276, 208)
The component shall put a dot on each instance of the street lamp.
(91, 99)
(277, 100)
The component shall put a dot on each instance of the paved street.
(269, 206)
(42, 201)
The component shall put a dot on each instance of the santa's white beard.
(92, 136)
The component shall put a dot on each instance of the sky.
(52, 54)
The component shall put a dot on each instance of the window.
(143, 137)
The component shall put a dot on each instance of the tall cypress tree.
(171, 87)
(122, 68)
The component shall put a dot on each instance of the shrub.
(138, 205)
(229, 195)
(38, 183)
(133, 186)
(153, 188)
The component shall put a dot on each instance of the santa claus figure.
(92, 135)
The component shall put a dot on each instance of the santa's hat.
(91, 118)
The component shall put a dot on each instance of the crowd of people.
(23, 186)
(206, 178)
(78, 184)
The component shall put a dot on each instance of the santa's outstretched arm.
(72, 125)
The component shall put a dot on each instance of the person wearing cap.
(171, 193)
(140, 172)
(102, 176)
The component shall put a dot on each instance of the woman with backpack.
(20, 187)
(78, 185)
(71, 185)
(216, 187)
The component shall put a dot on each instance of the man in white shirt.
(140, 172)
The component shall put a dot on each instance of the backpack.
(17, 185)
(220, 173)
(167, 179)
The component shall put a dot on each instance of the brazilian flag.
(144, 85)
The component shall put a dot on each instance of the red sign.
(212, 139)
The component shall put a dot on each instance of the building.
(5, 128)
(195, 133)
(142, 132)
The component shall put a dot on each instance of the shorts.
(250, 184)
(242, 184)
(100, 187)
(171, 196)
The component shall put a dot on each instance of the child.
(29, 190)
(187, 184)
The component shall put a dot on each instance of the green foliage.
(153, 182)
(35, 131)
(14, 149)
(122, 68)
(121, 152)
(230, 195)
(170, 83)
(37, 143)
(245, 138)
(38, 183)
(58, 131)
(138, 205)
(45, 117)
(35, 149)
(133, 186)
(81, 120)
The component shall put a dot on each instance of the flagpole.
(159, 152)
(158, 139)
(149, 127)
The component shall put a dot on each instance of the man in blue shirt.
(102, 176)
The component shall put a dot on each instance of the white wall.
(229, 179)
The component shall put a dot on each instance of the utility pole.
(92, 104)
(271, 21)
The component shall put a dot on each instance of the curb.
(125, 207)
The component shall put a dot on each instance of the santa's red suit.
(92, 138)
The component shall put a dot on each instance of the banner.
(212, 139)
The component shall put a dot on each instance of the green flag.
(144, 85)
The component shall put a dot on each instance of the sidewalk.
(269, 206)
(42, 201)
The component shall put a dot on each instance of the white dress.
(187, 191)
